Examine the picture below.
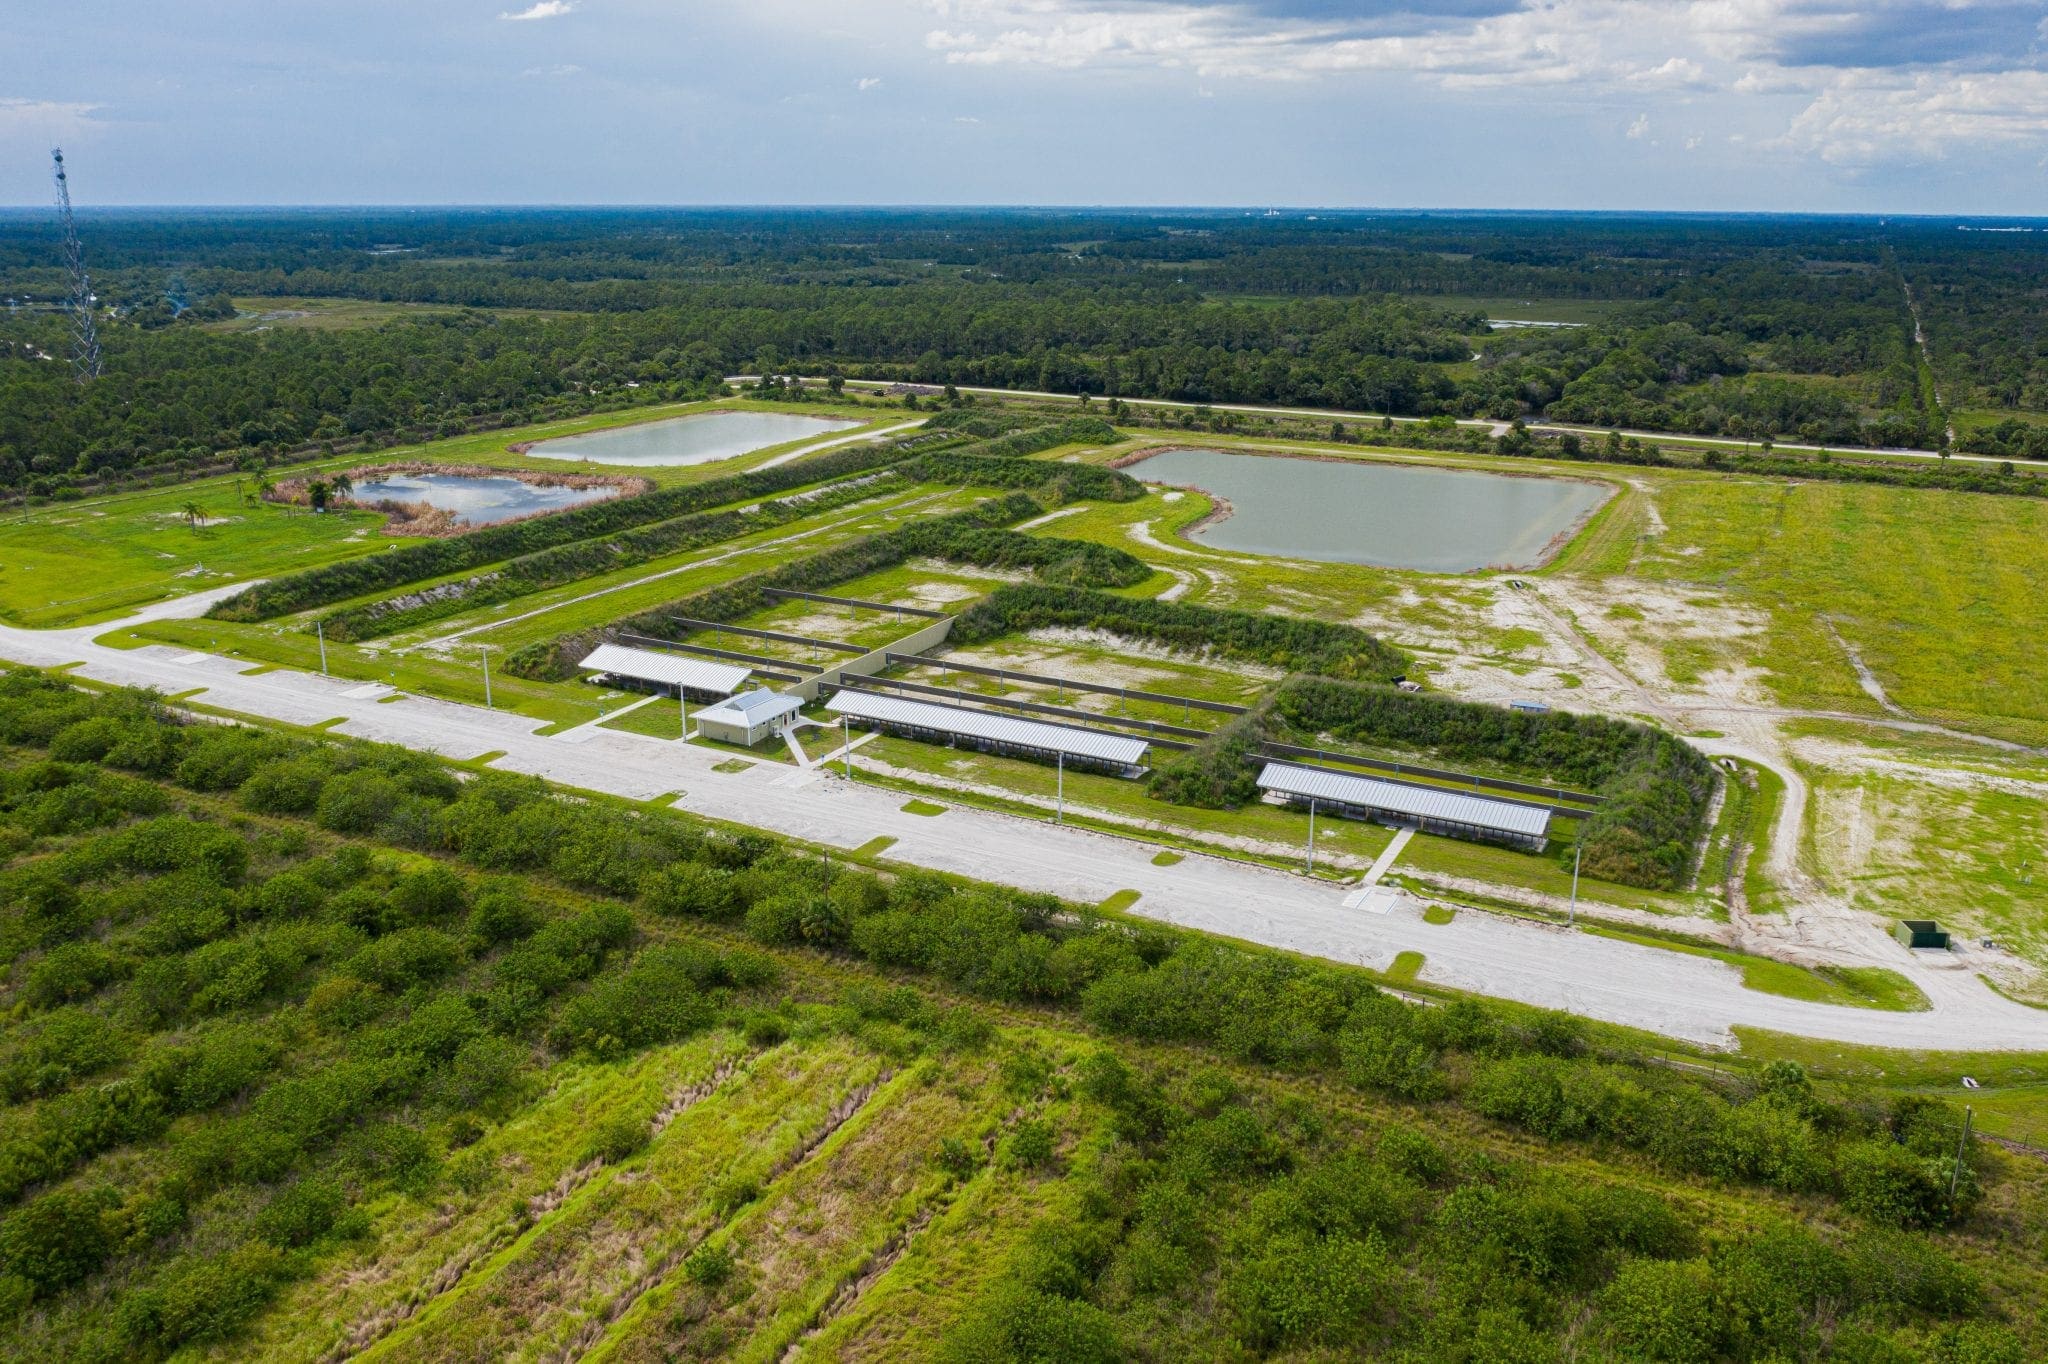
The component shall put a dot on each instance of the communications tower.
(85, 338)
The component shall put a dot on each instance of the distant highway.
(1334, 414)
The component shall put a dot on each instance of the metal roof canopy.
(752, 707)
(671, 670)
(980, 724)
(1452, 807)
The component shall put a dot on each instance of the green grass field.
(73, 563)
(1851, 987)
(1938, 591)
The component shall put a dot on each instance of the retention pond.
(1387, 515)
(474, 500)
(700, 438)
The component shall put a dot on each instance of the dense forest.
(1752, 327)
(281, 1007)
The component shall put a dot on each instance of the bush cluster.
(1293, 643)
(1284, 1233)
(976, 536)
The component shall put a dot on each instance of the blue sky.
(1813, 105)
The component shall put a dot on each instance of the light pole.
(1308, 867)
(320, 629)
(683, 704)
(1572, 915)
(1059, 809)
(846, 745)
(484, 653)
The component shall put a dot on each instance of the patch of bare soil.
(953, 570)
(940, 594)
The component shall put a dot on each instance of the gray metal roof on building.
(644, 665)
(1421, 802)
(981, 724)
(752, 707)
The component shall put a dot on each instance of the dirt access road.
(1688, 997)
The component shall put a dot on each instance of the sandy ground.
(1682, 996)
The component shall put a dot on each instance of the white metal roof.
(981, 724)
(1399, 798)
(644, 665)
(752, 707)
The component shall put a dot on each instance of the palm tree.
(194, 513)
(316, 493)
(341, 485)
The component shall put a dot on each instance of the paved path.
(1682, 996)
(833, 444)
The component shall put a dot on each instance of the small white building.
(748, 717)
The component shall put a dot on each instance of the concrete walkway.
(1694, 998)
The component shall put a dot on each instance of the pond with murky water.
(699, 438)
(475, 500)
(1387, 515)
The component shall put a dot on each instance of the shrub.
(340, 1004)
(357, 802)
(1030, 1146)
(72, 972)
(432, 892)
(201, 1299)
(409, 957)
(291, 787)
(502, 914)
(65, 1045)
(289, 894)
(171, 843)
(239, 971)
(658, 1000)
(1025, 1326)
(709, 1266)
(57, 1241)
(1302, 1290)
(1891, 1185)
(1662, 1310)
(481, 1069)
(302, 1213)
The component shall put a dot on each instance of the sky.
(1899, 106)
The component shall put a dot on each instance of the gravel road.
(1693, 998)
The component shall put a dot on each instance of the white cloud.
(1868, 118)
(867, 82)
(1640, 128)
(541, 9)
(24, 113)
(1749, 56)
(561, 72)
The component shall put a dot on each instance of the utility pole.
(1955, 1171)
(1308, 866)
(85, 337)
(1572, 915)
(320, 629)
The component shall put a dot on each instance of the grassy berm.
(313, 1052)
